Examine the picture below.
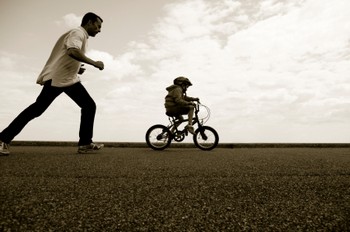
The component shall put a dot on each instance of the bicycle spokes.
(206, 138)
(203, 135)
(158, 137)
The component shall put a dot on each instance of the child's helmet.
(182, 80)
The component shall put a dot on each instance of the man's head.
(92, 23)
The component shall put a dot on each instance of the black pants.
(76, 92)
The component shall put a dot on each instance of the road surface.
(45, 188)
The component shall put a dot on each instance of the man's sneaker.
(190, 129)
(4, 148)
(90, 148)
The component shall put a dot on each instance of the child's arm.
(191, 98)
(179, 98)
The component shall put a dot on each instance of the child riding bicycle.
(177, 103)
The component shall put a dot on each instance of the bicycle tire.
(158, 137)
(206, 138)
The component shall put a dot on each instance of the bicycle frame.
(175, 123)
(159, 136)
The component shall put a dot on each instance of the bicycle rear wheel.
(206, 138)
(158, 137)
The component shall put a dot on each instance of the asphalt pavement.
(52, 188)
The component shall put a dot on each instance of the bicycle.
(159, 137)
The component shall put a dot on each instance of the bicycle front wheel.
(158, 137)
(206, 138)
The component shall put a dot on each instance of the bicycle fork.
(201, 131)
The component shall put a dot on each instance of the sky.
(271, 71)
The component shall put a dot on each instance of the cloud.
(269, 71)
(119, 67)
(16, 85)
(277, 56)
(70, 21)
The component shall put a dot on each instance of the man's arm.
(80, 56)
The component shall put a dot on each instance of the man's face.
(94, 27)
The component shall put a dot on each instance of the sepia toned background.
(269, 70)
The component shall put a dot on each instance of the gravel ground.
(137, 189)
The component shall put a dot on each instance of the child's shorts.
(177, 110)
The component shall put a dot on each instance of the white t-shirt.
(60, 67)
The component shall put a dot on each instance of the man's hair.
(90, 16)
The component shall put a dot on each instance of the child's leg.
(190, 115)
(177, 123)
(190, 118)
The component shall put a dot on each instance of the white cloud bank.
(278, 71)
(271, 71)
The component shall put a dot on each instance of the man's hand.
(81, 69)
(99, 65)
(80, 56)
